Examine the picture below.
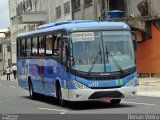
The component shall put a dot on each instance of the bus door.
(65, 66)
(41, 55)
(49, 65)
(41, 84)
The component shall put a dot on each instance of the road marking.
(12, 86)
(61, 111)
(138, 103)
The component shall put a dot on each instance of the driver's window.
(116, 49)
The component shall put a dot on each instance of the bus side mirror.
(134, 40)
(135, 45)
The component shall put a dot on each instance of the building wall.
(132, 7)
(5, 56)
(155, 7)
(1, 57)
(89, 12)
(152, 4)
(51, 11)
(148, 54)
(47, 6)
(16, 28)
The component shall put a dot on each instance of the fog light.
(133, 93)
(77, 96)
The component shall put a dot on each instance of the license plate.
(105, 99)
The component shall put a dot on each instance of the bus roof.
(77, 24)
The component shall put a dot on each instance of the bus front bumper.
(97, 94)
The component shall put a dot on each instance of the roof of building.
(67, 25)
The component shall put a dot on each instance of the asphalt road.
(15, 100)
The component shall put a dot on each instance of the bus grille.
(112, 94)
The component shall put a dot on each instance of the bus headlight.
(78, 84)
(132, 82)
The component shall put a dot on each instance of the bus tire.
(32, 94)
(59, 95)
(115, 101)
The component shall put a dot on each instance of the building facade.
(5, 51)
(27, 15)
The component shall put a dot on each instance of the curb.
(149, 94)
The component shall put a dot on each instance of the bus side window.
(18, 47)
(41, 47)
(49, 40)
(35, 46)
(57, 45)
(28, 47)
(63, 53)
(23, 48)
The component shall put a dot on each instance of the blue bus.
(78, 60)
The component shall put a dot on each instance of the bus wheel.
(115, 101)
(32, 94)
(59, 95)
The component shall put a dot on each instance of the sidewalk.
(4, 77)
(149, 86)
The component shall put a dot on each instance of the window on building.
(75, 5)
(67, 7)
(87, 2)
(58, 12)
(28, 5)
(116, 5)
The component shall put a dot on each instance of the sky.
(4, 14)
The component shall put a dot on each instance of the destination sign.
(83, 36)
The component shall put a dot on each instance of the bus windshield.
(103, 51)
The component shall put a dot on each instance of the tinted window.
(23, 48)
(49, 40)
(41, 46)
(35, 46)
(18, 48)
(28, 47)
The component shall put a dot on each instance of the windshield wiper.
(115, 62)
(94, 62)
